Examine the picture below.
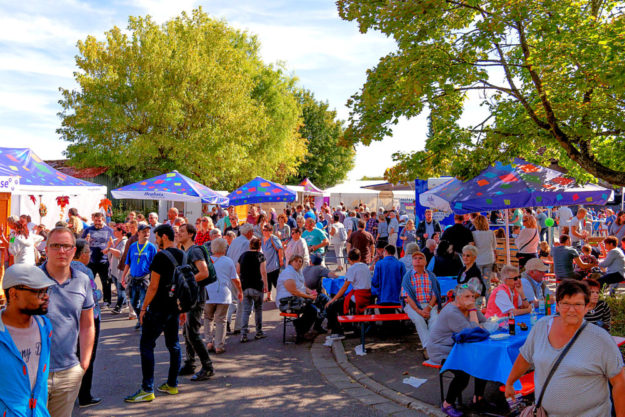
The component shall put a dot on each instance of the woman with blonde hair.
(527, 240)
(486, 243)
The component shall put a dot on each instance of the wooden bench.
(288, 318)
(500, 252)
(368, 318)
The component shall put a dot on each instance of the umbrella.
(516, 185)
(309, 187)
(172, 186)
(260, 190)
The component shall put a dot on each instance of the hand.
(328, 303)
(424, 313)
(240, 296)
(141, 315)
(425, 236)
(510, 392)
(84, 365)
(88, 238)
(182, 319)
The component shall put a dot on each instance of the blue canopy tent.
(259, 190)
(516, 185)
(172, 186)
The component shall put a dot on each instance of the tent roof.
(35, 176)
(172, 186)
(519, 184)
(260, 190)
(388, 186)
(309, 187)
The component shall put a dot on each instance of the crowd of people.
(386, 257)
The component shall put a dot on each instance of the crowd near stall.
(514, 292)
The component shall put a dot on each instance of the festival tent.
(309, 187)
(260, 190)
(516, 185)
(172, 186)
(34, 187)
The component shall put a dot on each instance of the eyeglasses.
(61, 247)
(468, 255)
(41, 293)
(577, 307)
(518, 277)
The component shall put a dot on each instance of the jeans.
(193, 340)
(155, 323)
(63, 389)
(137, 294)
(102, 269)
(544, 232)
(423, 327)
(235, 306)
(84, 395)
(252, 298)
(121, 293)
(339, 253)
(332, 312)
(215, 324)
(612, 278)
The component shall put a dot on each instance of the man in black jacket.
(458, 235)
(427, 228)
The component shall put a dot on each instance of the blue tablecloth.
(332, 286)
(447, 283)
(491, 360)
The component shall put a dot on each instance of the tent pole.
(507, 230)
(550, 230)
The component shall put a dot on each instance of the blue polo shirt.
(67, 302)
(313, 238)
(140, 258)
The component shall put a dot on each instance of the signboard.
(421, 186)
(8, 183)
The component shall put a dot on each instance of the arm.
(150, 293)
(520, 367)
(238, 269)
(281, 257)
(263, 273)
(289, 284)
(202, 270)
(237, 283)
(340, 293)
(86, 337)
(618, 392)
(125, 274)
(583, 265)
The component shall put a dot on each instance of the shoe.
(140, 397)
(203, 374)
(167, 389)
(260, 335)
(337, 336)
(107, 305)
(244, 338)
(451, 411)
(138, 325)
(92, 401)
(116, 310)
(233, 333)
(219, 351)
(187, 369)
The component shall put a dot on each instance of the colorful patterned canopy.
(172, 186)
(309, 187)
(35, 176)
(520, 184)
(260, 190)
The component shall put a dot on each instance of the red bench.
(527, 384)
(368, 318)
(382, 307)
(288, 318)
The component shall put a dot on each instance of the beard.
(40, 311)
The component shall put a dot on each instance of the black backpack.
(212, 274)
(183, 286)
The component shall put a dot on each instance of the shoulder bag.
(537, 409)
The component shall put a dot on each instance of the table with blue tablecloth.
(447, 283)
(332, 286)
(489, 359)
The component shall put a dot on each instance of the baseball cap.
(142, 227)
(536, 264)
(28, 275)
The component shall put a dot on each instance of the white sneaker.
(336, 336)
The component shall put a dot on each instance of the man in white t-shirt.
(563, 215)
(338, 237)
(576, 229)
(359, 276)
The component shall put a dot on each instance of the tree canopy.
(191, 94)
(329, 158)
(549, 72)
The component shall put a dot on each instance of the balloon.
(549, 222)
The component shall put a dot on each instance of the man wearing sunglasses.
(508, 297)
(25, 337)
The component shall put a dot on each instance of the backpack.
(183, 286)
(342, 234)
(212, 274)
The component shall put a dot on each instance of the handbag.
(291, 304)
(537, 409)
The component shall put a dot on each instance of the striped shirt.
(601, 313)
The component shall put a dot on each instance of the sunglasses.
(518, 277)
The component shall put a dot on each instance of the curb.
(401, 399)
(338, 371)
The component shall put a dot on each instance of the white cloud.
(44, 143)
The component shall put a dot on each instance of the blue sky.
(328, 55)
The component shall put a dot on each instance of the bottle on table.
(547, 306)
(511, 324)
(533, 316)
(541, 306)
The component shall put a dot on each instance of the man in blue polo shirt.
(71, 313)
(137, 270)
(98, 237)
(387, 277)
(315, 238)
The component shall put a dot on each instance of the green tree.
(191, 94)
(329, 158)
(549, 72)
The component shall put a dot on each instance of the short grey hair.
(153, 214)
(411, 248)
(219, 246)
(231, 234)
(509, 271)
(471, 249)
(246, 228)
(214, 232)
(430, 243)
